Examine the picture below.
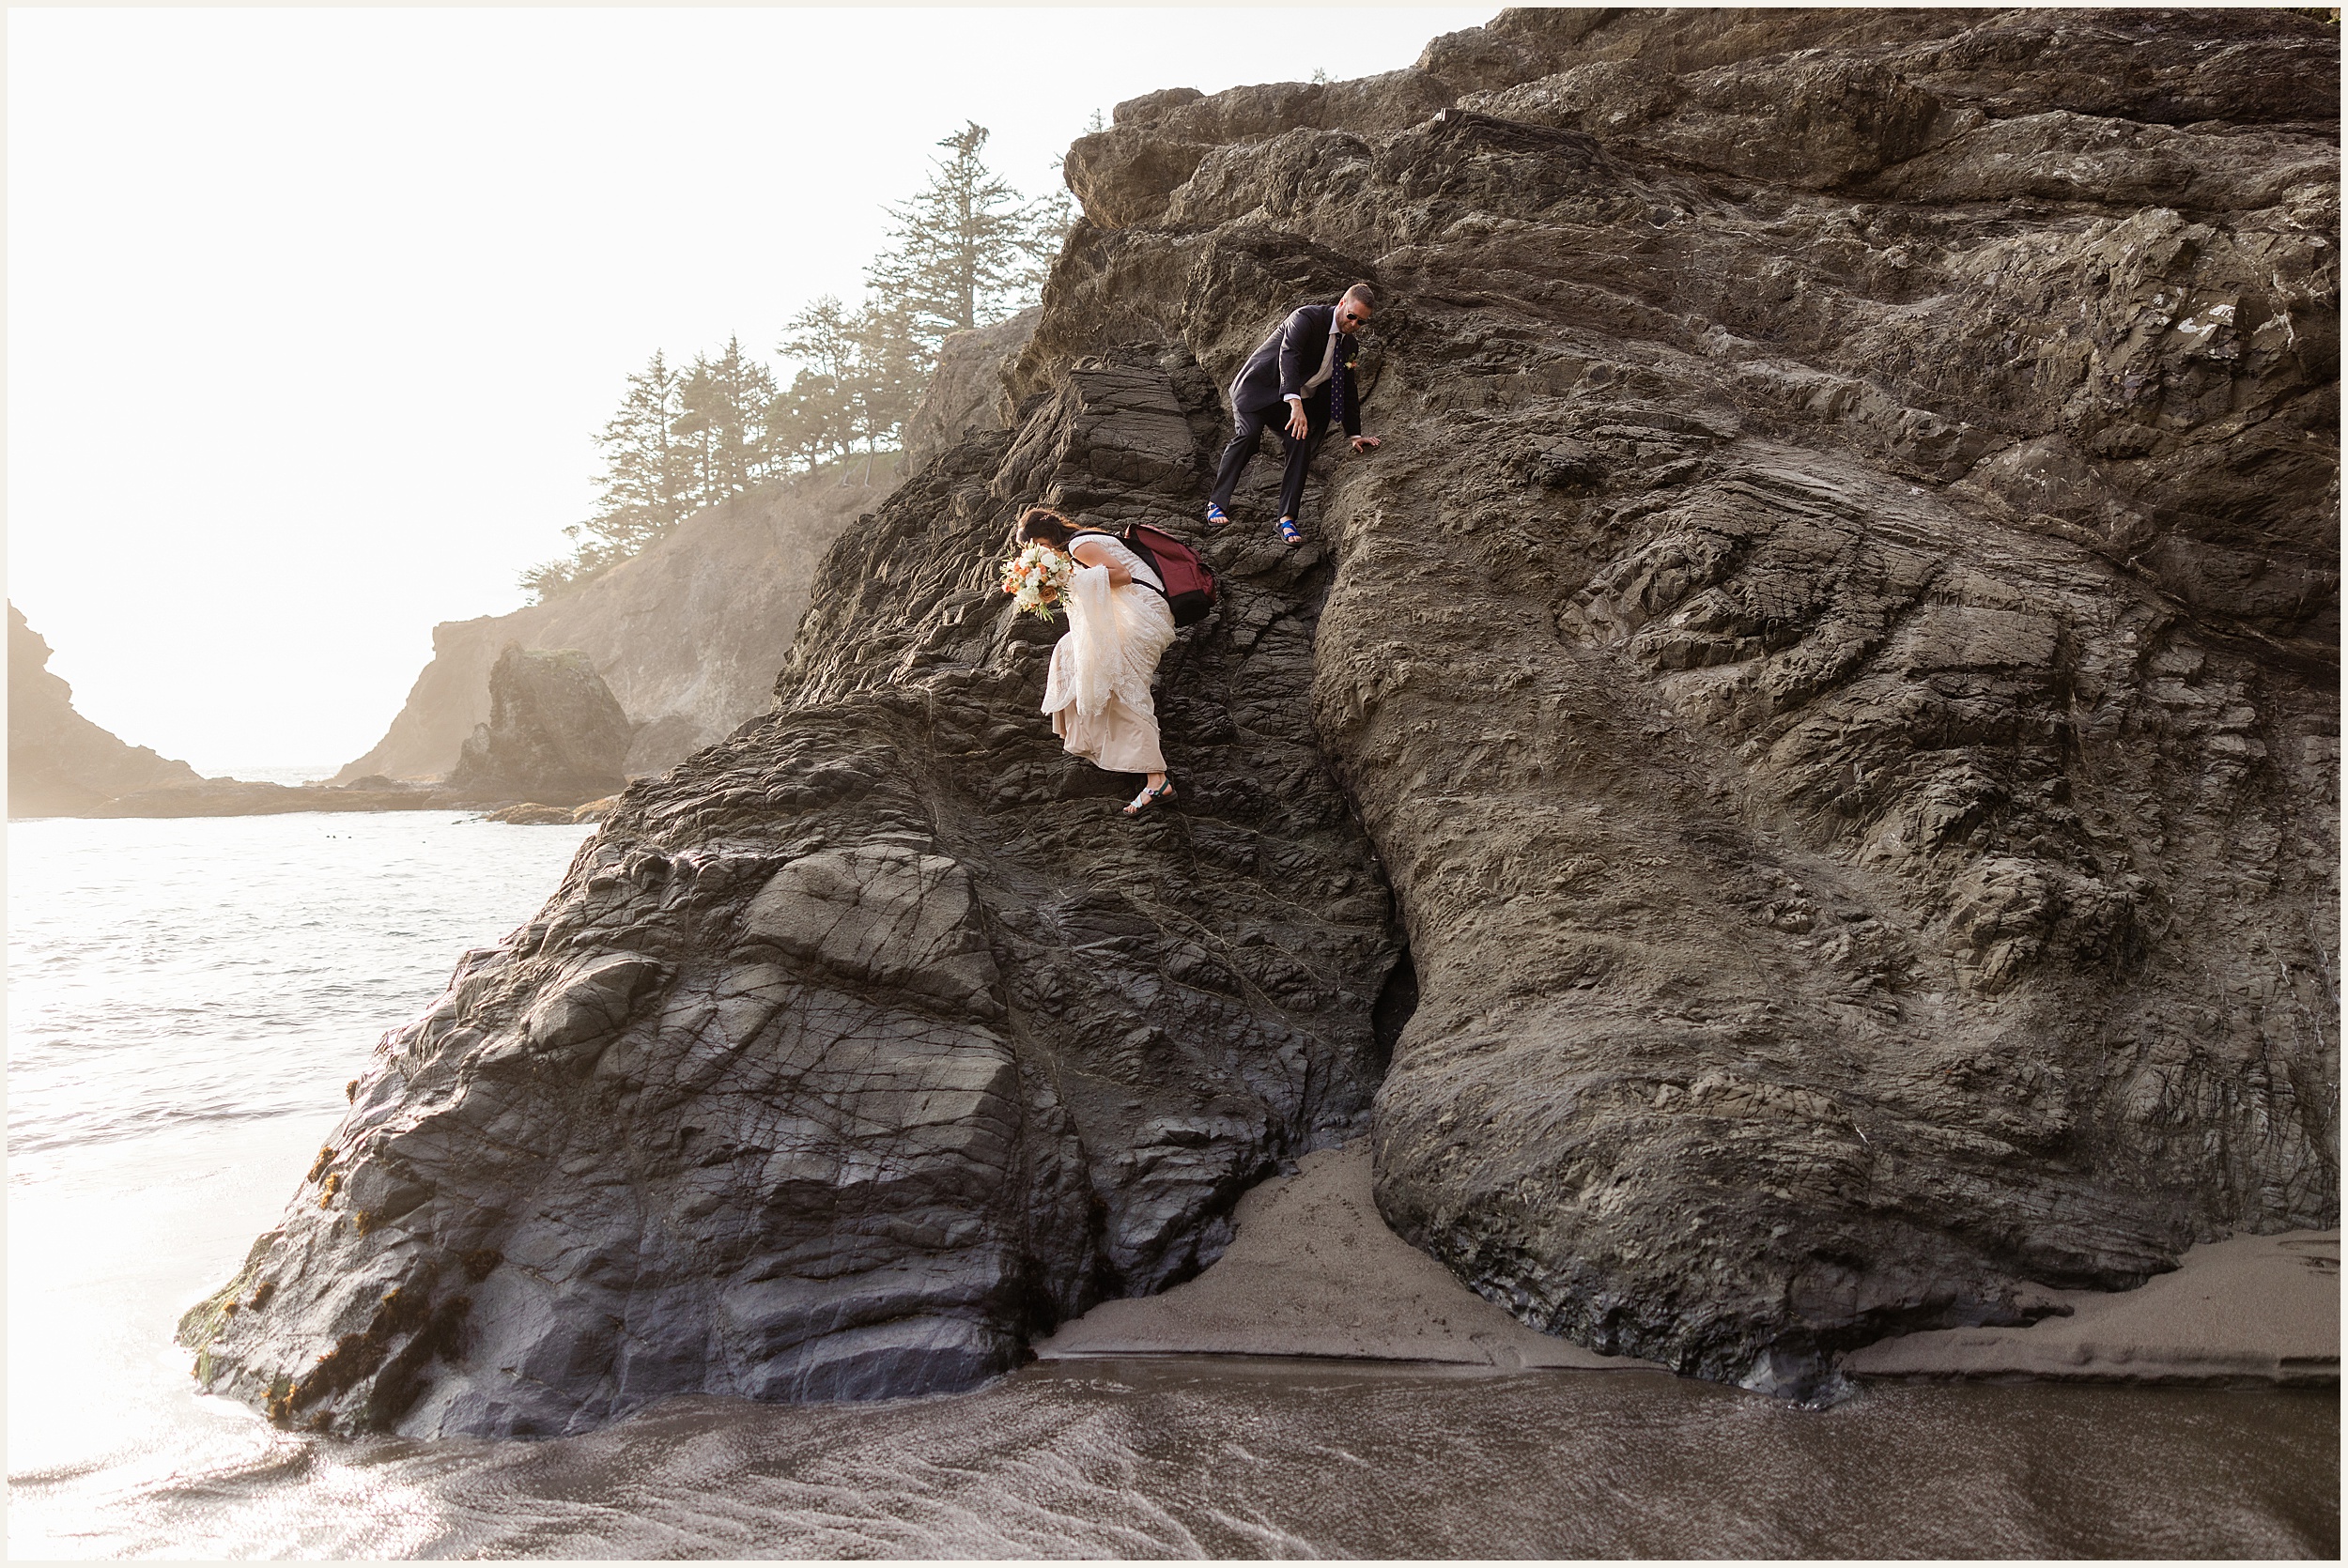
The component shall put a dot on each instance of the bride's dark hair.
(1042, 522)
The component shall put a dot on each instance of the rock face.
(965, 396)
(60, 765)
(688, 634)
(1839, 656)
(873, 1042)
(555, 734)
(1835, 664)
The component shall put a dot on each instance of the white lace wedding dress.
(1099, 691)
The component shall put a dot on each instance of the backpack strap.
(1142, 550)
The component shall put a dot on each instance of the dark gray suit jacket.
(1288, 358)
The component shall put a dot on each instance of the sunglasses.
(1350, 318)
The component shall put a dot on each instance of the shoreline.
(1315, 1274)
(253, 798)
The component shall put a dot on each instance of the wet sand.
(1271, 1457)
(1245, 1454)
(1315, 1272)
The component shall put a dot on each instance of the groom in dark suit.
(1296, 381)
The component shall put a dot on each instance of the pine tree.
(695, 427)
(722, 405)
(807, 423)
(968, 250)
(816, 421)
(962, 247)
(819, 338)
(747, 388)
(643, 480)
(868, 361)
(892, 369)
(658, 464)
(1049, 218)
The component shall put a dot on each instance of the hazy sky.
(313, 312)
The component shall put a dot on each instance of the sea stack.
(555, 735)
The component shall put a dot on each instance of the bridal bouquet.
(1036, 579)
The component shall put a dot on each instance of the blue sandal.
(1289, 533)
(1215, 518)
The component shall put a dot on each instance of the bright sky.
(313, 312)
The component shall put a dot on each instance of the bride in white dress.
(1117, 626)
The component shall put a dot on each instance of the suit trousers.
(1252, 422)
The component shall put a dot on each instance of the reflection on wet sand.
(1184, 1456)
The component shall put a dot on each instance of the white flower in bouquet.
(1036, 579)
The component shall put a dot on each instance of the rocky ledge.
(1831, 682)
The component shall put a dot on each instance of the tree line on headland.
(965, 251)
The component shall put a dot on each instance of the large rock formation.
(1839, 655)
(864, 1047)
(687, 634)
(60, 765)
(555, 735)
(1836, 664)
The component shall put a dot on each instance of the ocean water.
(188, 998)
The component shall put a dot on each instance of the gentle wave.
(164, 973)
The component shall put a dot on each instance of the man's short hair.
(1364, 295)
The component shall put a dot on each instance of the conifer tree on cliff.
(863, 370)
(807, 424)
(812, 422)
(645, 483)
(892, 369)
(721, 406)
(965, 248)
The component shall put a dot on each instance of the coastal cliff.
(60, 765)
(687, 634)
(1803, 778)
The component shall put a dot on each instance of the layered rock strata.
(875, 1040)
(1836, 662)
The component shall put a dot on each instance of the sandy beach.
(1314, 1271)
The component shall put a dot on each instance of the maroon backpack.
(1189, 589)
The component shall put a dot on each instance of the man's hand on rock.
(1298, 426)
(1365, 443)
